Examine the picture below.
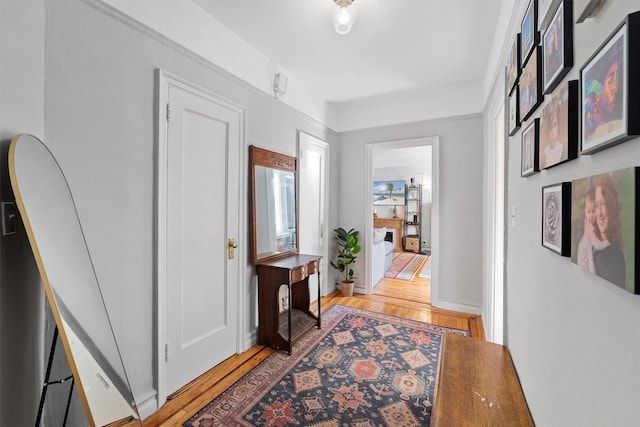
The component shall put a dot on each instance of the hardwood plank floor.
(401, 298)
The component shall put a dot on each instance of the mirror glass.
(274, 202)
(57, 240)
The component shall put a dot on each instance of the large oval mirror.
(57, 240)
(272, 177)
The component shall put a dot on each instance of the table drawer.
(313, 267)
(299, 273)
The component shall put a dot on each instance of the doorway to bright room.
(401, 248)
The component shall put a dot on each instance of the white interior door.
(202, 211)
(312, 229)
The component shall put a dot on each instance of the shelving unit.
(413, 218)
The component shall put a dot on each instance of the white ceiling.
(395, 45)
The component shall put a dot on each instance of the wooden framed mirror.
(274, 204)
(50, 218)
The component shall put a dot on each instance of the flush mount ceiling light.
(342, 19)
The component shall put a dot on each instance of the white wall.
(573, 336)
(21, 294)
(186, 23)
(405, 107)
(100, 125)
(460, 223)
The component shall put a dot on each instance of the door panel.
(202, 213)
(313, 224)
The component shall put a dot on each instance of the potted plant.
(347, 249)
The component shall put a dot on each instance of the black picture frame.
(605, 254)
(545, 12)
(557, 46)
(610, 89)
(556, 218)
(514, 112)
(529, 158)
(530, 85)
(529, 30)
(559, 126)
(513, 65)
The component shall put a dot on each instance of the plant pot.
(346, 289)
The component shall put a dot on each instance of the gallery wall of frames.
(593, 219)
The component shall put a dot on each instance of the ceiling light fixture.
(343, 19)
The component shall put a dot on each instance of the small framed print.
(530, 141)
(530, 86)
(513, 65)
(556, 218)
(529, 30)
(559, 126)
(514, 113)
(610, 89)
(604, 226)
(557, 46)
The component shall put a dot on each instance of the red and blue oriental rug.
(362, 369)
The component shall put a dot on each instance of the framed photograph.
(557, 45)
(529, 31)
(412, 194)
(604, 226)
(545, 12)
(514, 112)
(530, 141)
(610, 89)
(513, 65)
(530, 86)
(389, 193)
(559, 126)
(556, 218)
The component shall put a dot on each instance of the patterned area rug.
(405, 265)
(362, 369)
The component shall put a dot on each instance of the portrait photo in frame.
(557, 46)
(514, 112)
(604, 226)
(529, 30)
(556, 218)
(529, 154)
(610, 89)
(559, 126)
(530, 85)
(513, 65)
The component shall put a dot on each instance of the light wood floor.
(401, 298)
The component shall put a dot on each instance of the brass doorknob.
(231, 249)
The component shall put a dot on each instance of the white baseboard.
(251, 339)
(147, 404)
(456, 306)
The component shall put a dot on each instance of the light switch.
(513, 217)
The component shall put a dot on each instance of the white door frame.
(495, 213)
(434, 142)
(164, 81)
(305, 138)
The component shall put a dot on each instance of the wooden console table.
(280, 330)
(477, 386)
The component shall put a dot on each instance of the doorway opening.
(402, 178)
